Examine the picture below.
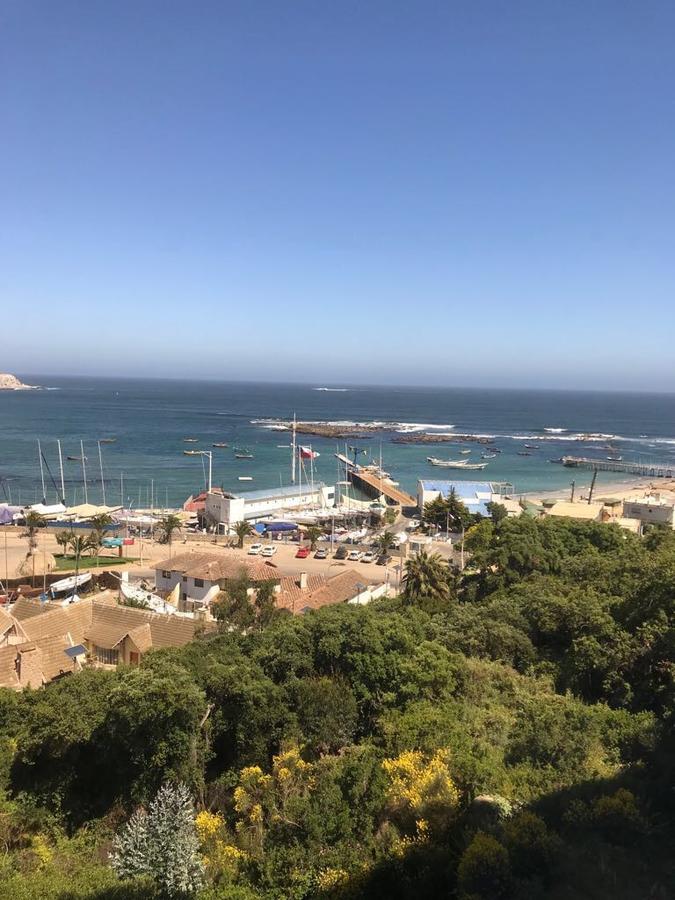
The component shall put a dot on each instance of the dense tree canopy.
(503, 733)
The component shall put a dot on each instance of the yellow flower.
(208, 825)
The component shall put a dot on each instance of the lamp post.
(208, 453)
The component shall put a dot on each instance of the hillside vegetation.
(508, 733)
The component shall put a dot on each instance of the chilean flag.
(307, 453)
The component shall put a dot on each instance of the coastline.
(621, 490)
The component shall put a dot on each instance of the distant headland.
(11, 383)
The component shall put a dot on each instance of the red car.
(303, 553)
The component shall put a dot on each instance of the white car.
(268, 551)
(255, 549)
(369, 557)
(413, 523)
(354, 555)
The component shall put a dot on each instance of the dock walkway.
(650, 470)
(382, 487)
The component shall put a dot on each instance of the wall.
(661, 514)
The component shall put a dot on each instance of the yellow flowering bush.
(262, 800)
(421, 789)
(331, 879)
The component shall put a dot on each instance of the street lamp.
(208, 453)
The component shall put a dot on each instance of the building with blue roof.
(475, 495)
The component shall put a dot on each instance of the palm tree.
(242, 530)
(98, 523)
(33, 522)
(385, 541)
(426, 576)
(63, 539)
(166, 527)
(313, 533)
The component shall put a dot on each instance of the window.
(199, 582)
(108, 657)
(184, 577)
(166, 573)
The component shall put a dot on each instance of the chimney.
(29, 666)
(277, 588)
(303, 581)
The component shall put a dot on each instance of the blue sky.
(475, 193)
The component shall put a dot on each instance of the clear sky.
(468, 193)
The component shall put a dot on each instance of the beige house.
(40, 642)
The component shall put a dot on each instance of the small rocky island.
(11, 383)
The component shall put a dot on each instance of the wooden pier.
(649, 470)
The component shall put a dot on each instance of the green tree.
(313, 533)
(385, 541)
(426, 576)
(242, 529)
(64, 539)
(33, 521)
(167, 526)
(484, 871)
(162, 844)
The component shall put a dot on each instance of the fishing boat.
(108, 441)
(465, 452)
(190, 440)
(531, 446)
(243, 454)
(192, 452)
(69, 584)
(494, 449)
(615, 458)
(524, 453)
(488, 456)
(76, 458)
(220, 444)
(455, 463)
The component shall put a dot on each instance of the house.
(308, 592)
(652, 509)
(46, 642)
(200, 574)
(226, 509)
(588, 512)
(475, 495)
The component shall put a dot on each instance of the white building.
(226, 509)
(475, 495)
(200, 574)
(653, 510)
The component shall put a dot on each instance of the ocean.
(150, 419)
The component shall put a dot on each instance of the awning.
(280, 526)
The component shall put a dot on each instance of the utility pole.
(590, 493)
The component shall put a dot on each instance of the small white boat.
(245, 478)
(69, 584)
(455, 463)
(465, 452)
(192, 452)
(615, 458)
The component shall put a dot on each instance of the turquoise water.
(150, 418)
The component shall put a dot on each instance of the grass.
(67, 563)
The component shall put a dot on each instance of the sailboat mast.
(100, 464)
(42, 474)
(293, 453)
(84, 472)
(63, 485)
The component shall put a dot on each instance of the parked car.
(383, 559)
(268, 550)
(412, 524)
(321, 553)
(303, 553)
(354, 555)
(341, 552)
(255, 549)
(368, 557)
